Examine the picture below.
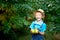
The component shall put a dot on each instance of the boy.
(39, 25)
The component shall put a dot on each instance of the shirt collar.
(40, 22)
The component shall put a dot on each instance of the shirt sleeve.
(31, 26)
(43, 28)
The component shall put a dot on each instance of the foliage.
(16, 15)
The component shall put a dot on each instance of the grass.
(49, 36)
(25, 37)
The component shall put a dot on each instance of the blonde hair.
(40, 11)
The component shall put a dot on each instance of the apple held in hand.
(34, 30)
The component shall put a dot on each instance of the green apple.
(34, 30)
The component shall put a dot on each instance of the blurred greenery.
(17, 15)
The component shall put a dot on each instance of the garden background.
(17, 15)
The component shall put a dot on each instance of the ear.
(43, 17)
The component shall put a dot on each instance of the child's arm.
(31, 26)
(42, 32)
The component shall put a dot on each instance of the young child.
(39, 25)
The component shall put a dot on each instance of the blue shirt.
(41, 26)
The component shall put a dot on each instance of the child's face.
(38, 16)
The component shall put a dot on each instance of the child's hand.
(42, 33)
